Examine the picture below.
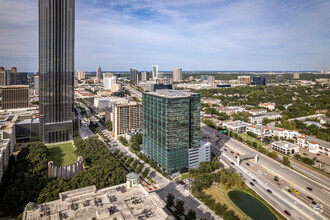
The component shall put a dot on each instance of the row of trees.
(305, 160)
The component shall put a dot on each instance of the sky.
(196, 35)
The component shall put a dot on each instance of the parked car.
(287, 212)
(225, 149)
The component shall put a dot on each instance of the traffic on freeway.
(302, 196)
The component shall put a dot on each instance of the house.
(257, 111)
(260, 130)
(269, 105)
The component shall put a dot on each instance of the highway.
(289, 178)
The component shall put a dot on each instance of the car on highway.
(289, 190)
(235, 156)
(287, 212)
(314, 203)
(232, 163)
(232, 152)
(309, 188)
(238, 154)
(295, 191)
(268, 190)
(279, 184)
(251, 183)
(225, 149)
(310, 198)
(276, 178)
(241, 174)
(247, 164)
(254, 180)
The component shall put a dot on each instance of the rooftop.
(108, 203)
(168, 93)
(285, 144)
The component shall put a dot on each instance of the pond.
(251, 206)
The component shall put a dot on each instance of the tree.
(139, 169)
(286, 161)
(123, 140)
(136, 141)
(170, 200)
(145, 172)
(191, 215)
(179, 207)
(108, 125)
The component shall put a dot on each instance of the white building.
(107, 82)
(260, 130)
(257, 111)
(155, 71)
(236, 126)
(269, 105)
(198, 155)
(4, 155)
(285, 147)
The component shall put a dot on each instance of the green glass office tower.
(171, 124)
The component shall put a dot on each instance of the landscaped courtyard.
(62, 154)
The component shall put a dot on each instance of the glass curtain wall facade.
(56, 68)
(171, 126)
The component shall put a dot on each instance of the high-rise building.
(325, 70)
(56, 69)
(171, 125)
(108, 75)
(16, 96)
(210, 80)
(18, 78)
(145, 76)
(177, 74)
(108, 81)
(258, 81)
(244, 80)
(126, 117)
(13, 70)
(36, 84)
(135, 75)
(4, 77)
(98, 73)
(155, 71)
(296, 76)
(80, 75)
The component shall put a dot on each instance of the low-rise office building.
(260, 130)
(285, 147)
(236, 126)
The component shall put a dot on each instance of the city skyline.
(195, 35)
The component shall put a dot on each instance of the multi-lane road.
(297, 205)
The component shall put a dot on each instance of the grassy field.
(245, 137)
(62, 154)
(220, 194)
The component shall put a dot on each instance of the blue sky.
(192, 34)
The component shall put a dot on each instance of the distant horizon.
(210, 34)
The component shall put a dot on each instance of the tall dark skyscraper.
(56, 68)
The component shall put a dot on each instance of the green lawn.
(245, 137)
(62, 154)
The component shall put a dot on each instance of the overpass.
(247, 156)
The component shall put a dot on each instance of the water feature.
(251, 206)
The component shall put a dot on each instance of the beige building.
(244, 80)
(15, 96)
(80, 75)
(296, 76)
(126, 117)
(108, 75)
(177, 74)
